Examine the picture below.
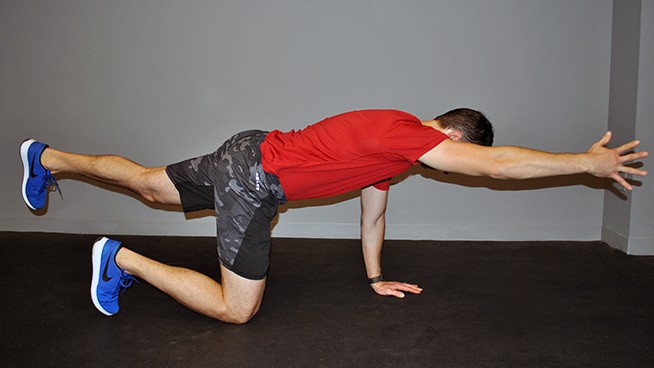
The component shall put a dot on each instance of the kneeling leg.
(236, 300)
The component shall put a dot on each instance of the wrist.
(376, 279)
(585, 163)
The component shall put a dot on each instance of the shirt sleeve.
(410, 140)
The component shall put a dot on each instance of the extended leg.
(151, 183)
(237, 300)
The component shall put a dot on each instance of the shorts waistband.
(271, 179)
(276, 187)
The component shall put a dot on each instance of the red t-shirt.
(346, 152)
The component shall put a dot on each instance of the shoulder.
(389, 114)
(386, 114)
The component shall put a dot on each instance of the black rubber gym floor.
(485, 304)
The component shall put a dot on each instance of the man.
(253, 172)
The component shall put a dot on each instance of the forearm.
(373, 227)
(504, 162)
(525, 163)
(372, 239)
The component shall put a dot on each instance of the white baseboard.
(615, 239)
(631, 246)
(440, 232)
(206, 227)
(641, 247)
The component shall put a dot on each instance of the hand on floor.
(395, 288)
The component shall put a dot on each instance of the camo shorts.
(245, 198)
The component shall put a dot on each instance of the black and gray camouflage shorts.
(232, 182)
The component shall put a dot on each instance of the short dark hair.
(472, 124)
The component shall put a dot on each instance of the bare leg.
(237, 300)
(152, 184)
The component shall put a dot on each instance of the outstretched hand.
(395, 288)
(610, 162)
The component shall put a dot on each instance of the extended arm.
(523, 163)
(373, 227)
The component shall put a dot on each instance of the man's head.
(468, 125)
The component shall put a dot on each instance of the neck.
(453, 134)
(433, 124)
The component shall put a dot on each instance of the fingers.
(620, 180)
(396, 289)
(620, 150)
(610, 162)
(633, 156)
(598, 143)
(627, 146)
(606, 138)
(395, 293)
(627, 170)
(632, 171)
(410, 288)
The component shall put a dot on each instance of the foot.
(36, 178)
(109, 281)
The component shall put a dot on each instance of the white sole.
(97, 265)
(24, 148)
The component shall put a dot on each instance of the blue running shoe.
(36, 178)
(109, 281)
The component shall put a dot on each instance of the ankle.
(122, 259)
(48, 159)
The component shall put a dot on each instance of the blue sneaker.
(109, 281)
(36, 178)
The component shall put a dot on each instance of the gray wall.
(628, 222)
(159, 81)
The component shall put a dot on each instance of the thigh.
(242, 296)
(245, 208)
(243, 234)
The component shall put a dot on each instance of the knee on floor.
(237, 316)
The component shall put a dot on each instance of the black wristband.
(374, 280)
